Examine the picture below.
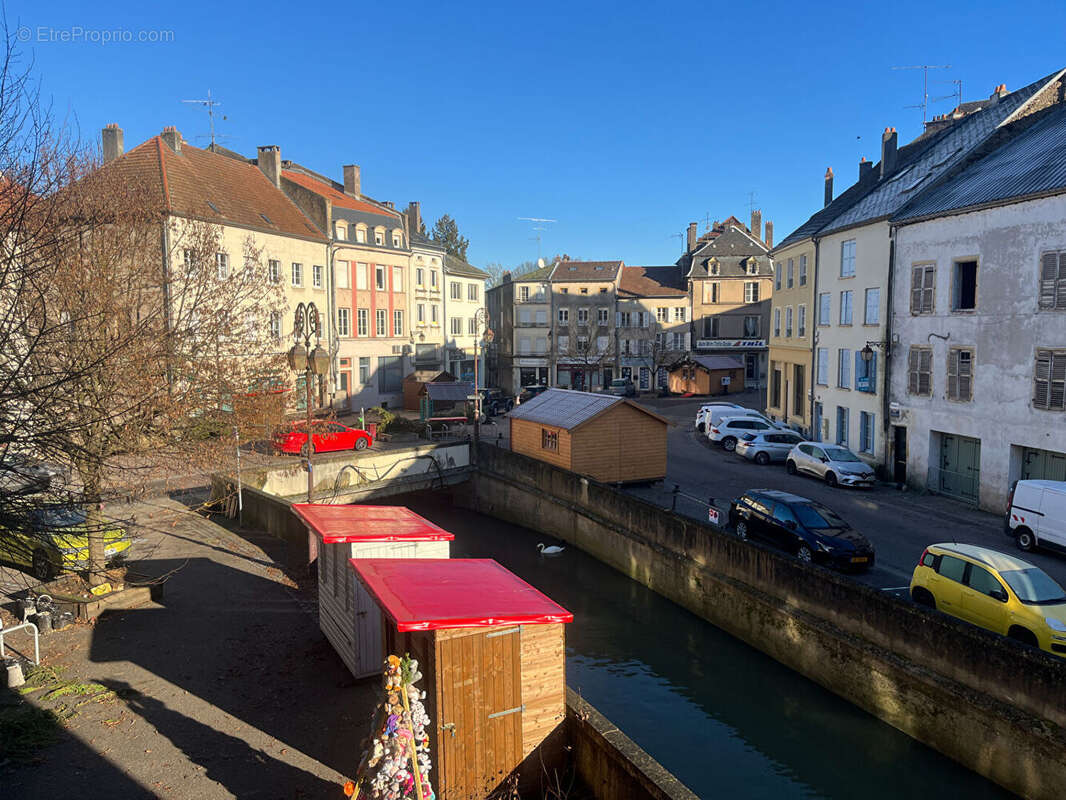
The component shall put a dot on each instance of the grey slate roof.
(449, 392)
(454, 265)
(1029, 164)
(541, 274)
(424, 241)
(564, 408)
(732, 249)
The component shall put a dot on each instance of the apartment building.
(427, 298)
(464, 297)
(583, 338)
(520, 314)
(652, 324)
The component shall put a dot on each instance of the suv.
(1036, 514)
(707, 408)
(623, 387)
(994, 591)
(529, 392)
(728, 430)
(797, 525)
(767, 446)
(494, 402)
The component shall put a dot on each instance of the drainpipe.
(887, 349)
(167, 322)
(816, 319)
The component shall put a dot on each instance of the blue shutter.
(860, 371)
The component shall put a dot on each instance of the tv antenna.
(924, 105)
(751, 202)
(210, 104)
(539, 225)
(957, 94)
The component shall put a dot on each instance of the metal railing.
(36, 640)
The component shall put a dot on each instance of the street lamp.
(306, 327)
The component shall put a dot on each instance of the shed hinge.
(514, 710)
(506, 632)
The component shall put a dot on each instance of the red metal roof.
(423, 594)
(336, 524)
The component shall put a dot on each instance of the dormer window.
(379, 237)
(340, 231)
(397, 239)
(753, 267)
(712, 266)
(360, 234)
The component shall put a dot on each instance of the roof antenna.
(210, 105)
(539, 226)
(924, 105)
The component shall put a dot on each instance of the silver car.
(836, 465)
(765, 446)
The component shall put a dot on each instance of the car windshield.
(60, 516)
(1034, 586)
(620, 382)
(840, 454)
(815, 517)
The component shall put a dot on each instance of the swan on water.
(549, 550)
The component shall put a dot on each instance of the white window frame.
(801, 319)
(751, 291)
(844, 368)
(297, 274)
(344, 322)
(867, 318)
(847, 259)
(362, 276)
(316, 275)
(822, 368)
(362, 322)
(381, 322)
(847, 307)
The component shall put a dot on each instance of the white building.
(464, 296)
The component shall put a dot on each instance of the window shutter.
(925, 368)
(953, 374)
(1058, 381)
(872, 373)
(928, 281)
(912, 371)
(1049, 280)
(965, 374)
(1060, 289)
(1041, 379)
(916, 290)
(859, 368)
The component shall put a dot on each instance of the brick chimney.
(888, 152)
(269, 161)
(352, 180)
(756, 223)
(111, 140)
(768, 237)
(828, 186)
(414, 216)
(692, 237)
(172, 138)
(865, 167)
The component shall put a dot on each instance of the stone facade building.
(583, 340)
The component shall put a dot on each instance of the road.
(899, 523)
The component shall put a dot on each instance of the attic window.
(914, 184)
(265, 217)
(213, 207)
(573, 269)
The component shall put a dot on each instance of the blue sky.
(623, 121)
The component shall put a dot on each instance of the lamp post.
(307, 327)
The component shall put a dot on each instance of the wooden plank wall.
(543, 683)
(526, 439)
(336, 602)
(622, 444)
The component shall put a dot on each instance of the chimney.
(269, 161)
(112, 141)
(756, 223)
(865, 167)
(505, 278)
(352, 180)
(828, 186)
(172, 138)
(769, 238)
(414, 216)
(888, 152)
(691, 237)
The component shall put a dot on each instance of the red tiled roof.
(334, 195)
(651, 282)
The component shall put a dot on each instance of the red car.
(325, 436)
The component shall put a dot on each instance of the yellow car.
(995, 591)
(56, 539)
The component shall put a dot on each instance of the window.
(844, 368)
(360, 234)
(433, 314)
(791, 273)
(316, 276)
(803, 270)
(222, 262)
(297, 274)
(523, 345)
(798, 387)
(381, 322)
(964, 286)
(751, 325)
(622, 319)
(582, 344)
(952, 568)
(645, 378)
(983, 581)
(455, 290)
(662, 314)
(920, 371)
(679, 314)
(788, 321)
(472, 292)
(846, 307)
(712, 293)
(340, 231)
(564, 290)
(420, 277)
(752, 267)
(397, 322)
(541, 317)
(523, 294)
(751, 292)
(824, 310)
(192, 262)
(602, 317)
(801, 320)
(433, 279)
(379, 237)
(847, 259)
(471, 326)
(397, 279)
(710, 327)
(584, 290)
(777, 276)
(344, 275)
(362, 322)
(1049, 380)
(923, 279)
(777, 322)
(549, 440)
(361, 270)
(563, 344)
(420, 313)
(842, 426)
(390, 374)
(645, 319)
(379, 277)
(601, 344)
(713, 264)
(396, 240)
(1053, 280)
(872, 313)
(775, 388)
(582, 316)
(960, 374)
(564, 316)
(457, 326)
(364, 370)
(866, 432)
(344, 322)
(275, 325)
(822, 376)
(274, 270)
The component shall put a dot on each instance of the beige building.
(427, 294)
(652, 324)
(583, 339)
(464, 296)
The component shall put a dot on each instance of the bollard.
(15, 678)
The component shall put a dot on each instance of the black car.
(808, 529)
(494, 402)
(529, 392)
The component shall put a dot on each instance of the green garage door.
(1043, 465)
(960, 466)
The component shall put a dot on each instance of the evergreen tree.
(446, 232)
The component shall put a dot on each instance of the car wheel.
(742, 531)
(360, 443)
(762, 459)
(923, 597)
(804, 554)
(700, 427)
(790, 467)
(1025, 539)
(43, 569)
(830, 479)
(729, 444)
(1023, 635)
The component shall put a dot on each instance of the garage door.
(1043, 465)
(960, 467)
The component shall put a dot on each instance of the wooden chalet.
(711, 375)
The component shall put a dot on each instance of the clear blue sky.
(624, 121)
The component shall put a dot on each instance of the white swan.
(550, 550)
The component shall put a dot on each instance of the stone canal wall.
(989, 703)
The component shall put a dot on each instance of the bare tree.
(588, 348)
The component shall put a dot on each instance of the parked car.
(994, 591)
(623, 387)
(767, 446)
(1036, 514)
(715, 414)
(836, 465)
(813, 532)
(325, 437)
(728, 430)
(55, 538)
(706, 408)
(22, 475)
(529, 392)
(494, 402)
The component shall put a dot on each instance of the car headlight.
(1055, 624)
(828, 548)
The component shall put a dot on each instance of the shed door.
(480, 716)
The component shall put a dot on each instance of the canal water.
(727, 720)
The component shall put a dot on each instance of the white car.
(836, 465)
(727, 430)
(706, 408)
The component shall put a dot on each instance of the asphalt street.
(899, 523)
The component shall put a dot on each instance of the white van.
(1036, 514)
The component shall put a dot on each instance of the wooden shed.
(413, 384)
(608, 438)
(491, 649)
(348, 615)
(712, 375)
